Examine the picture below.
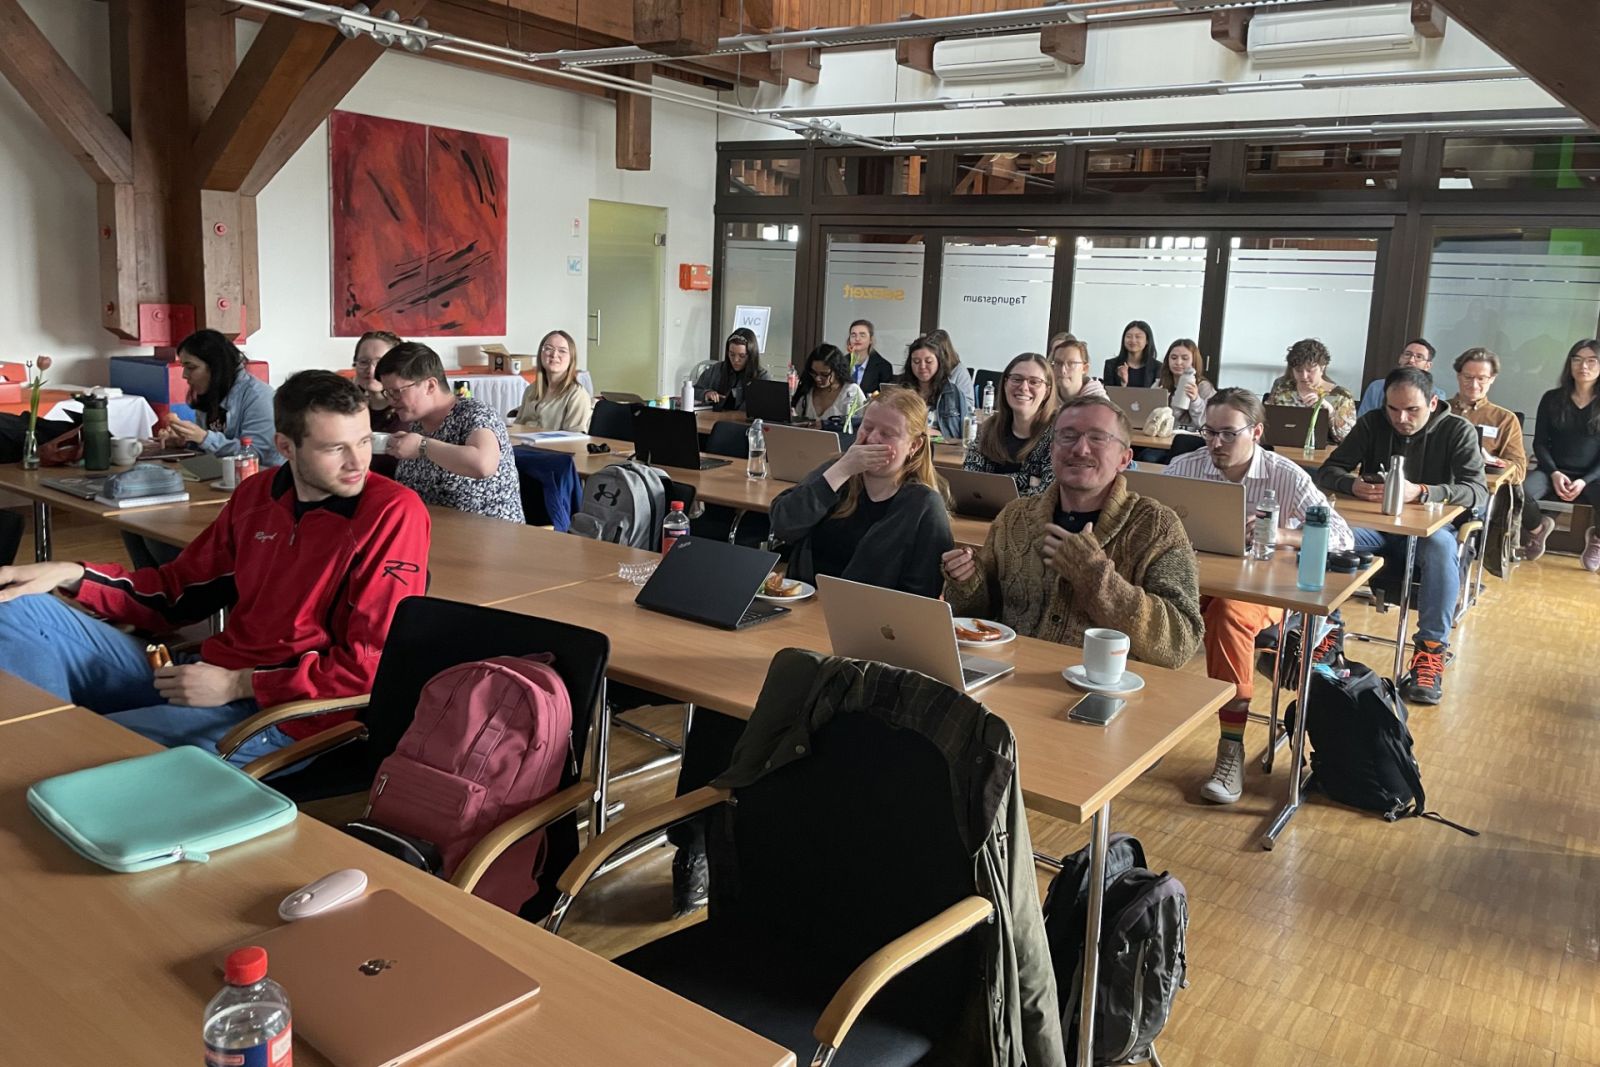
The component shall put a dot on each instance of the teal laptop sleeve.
(149, 811)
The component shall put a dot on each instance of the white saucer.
(1007, 634)
(217, 484)
(1129, 683)
(806, 590)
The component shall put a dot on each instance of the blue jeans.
(1438, 583)
(81, 659)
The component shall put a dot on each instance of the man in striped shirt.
(1232, 429)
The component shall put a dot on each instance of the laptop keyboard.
(757, 613)
(710, 464)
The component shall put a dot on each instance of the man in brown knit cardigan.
(1091, 553)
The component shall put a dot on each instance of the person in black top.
(1566, 442)
(723, 384)
(1135, 364)
(868, 369)
(877, 514)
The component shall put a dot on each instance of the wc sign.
(755, 319)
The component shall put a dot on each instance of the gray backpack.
(1142, 950)
(625, 504)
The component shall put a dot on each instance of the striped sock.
(1232, 716)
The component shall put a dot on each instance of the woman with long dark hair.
(929, 373)
(825, 390)
(724, 384)
(1566, 442)
(1183, 377)
(229, 403)
(1015, 440)
(1135, 362)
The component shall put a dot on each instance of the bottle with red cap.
(248, 461)
(247, 1024)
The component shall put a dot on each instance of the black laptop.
(768, 401)
(706, 580)
(664, 437)
(1286, 427)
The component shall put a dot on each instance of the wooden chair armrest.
(893, 958)
(305, 748)
(517, 827)
(649, 821)
(1467, 529)
(295, 709)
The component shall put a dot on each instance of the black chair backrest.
(1184, 443)
(611, 419)
(1522, 420)
(11, 524)
(981, 379)
(871, 812)
(729, 438)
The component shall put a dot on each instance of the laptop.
(977, 494)
(665, 437)
(1212, 513)
(1286, 427)
(1136, 403)
(793, 452)
(202, 468)
(380, 981)
(622, 398)
(710, 581)
(902, 630)
(768, 401)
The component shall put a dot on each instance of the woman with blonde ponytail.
(879, 513)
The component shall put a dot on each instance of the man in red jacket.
(312, 558)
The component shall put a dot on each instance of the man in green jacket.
(1443, 465)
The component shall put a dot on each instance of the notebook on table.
(381, 981)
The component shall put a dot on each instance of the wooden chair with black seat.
(427, 636)
(838, 783)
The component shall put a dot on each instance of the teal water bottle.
(1314, 549)
(96, 434)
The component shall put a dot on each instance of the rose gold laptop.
(380, 981)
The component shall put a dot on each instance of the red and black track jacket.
(312, 587)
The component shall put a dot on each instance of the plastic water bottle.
(247, 462)
(687, 403)
(675, 525)
(1313, 549)
(1264, 538)
(756, 469)
(988, 398)
(794, 380)
(248, 1024)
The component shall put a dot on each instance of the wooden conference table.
(20, 701)
(29, 484)
(143, 949)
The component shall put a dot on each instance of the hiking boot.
(1533, 544)
(1226, 784)
(1424, 679)
(691, 882)
(1590, 557)
(1328, 651)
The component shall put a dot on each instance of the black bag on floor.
(1142, 955)
(1360, 746)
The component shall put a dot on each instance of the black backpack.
(1361, 749)
(1142, 962)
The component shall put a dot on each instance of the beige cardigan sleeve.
(1160, 614)
(980, 595)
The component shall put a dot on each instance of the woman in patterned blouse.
(1015, 440)
(1306, 384)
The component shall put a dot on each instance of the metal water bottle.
(96, 433)
(1394, 481)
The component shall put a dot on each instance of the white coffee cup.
(230, 471)
(1105, 655)
(380, 443)
(125, 450)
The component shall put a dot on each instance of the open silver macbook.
(1136, 403)
(794, 452)
(902, 630)
(977, 494)
(1212, 512)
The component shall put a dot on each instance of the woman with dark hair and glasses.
(229, 403)
(1135, 363)
(825, 390)
(1566, 442)
(723, 385)
(1015, 440)
(371, 347)
(929, 373)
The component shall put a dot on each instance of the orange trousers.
(1231, 629)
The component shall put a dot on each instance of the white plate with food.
(780, 590)
(982, 633)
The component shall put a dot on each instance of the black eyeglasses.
(1227, 437)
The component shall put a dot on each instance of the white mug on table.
(125, 450)
(1105, 655)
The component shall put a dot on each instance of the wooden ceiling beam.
(1231, 29)
(677, 27)
(42, 78)
(1531, 37)
(212, 54)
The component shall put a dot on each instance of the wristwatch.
(422, 449)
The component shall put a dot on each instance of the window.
(1159, 279)
(994, 296)
(1146, 170)
(757, 280)
(873, 175)
(763, 177)
(1550, 161)
(1005, 174)
(1526, 293)
(877, 277)
(1360, 166)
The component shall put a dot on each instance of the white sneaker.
(1226, 784)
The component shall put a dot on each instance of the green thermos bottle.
(96, 434)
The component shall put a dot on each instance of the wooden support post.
(211, 52)
(119, 272)
(1068, 42)
(676, 27)
(915, 53)
(633, 122)
(1428, 18)
(1231, 28)
(1529, 35)
(800, 64)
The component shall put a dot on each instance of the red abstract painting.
(419, 229)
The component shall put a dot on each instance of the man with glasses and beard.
(1232, 431)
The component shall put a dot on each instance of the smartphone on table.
(1096, 709)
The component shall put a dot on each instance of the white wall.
(1120, 55)
(561, 156)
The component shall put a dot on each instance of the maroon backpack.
(489, 740)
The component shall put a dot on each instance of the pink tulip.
(44, 362)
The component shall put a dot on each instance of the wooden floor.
(1355, 942)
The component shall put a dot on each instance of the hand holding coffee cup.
(1105, 655)
(380, 443)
